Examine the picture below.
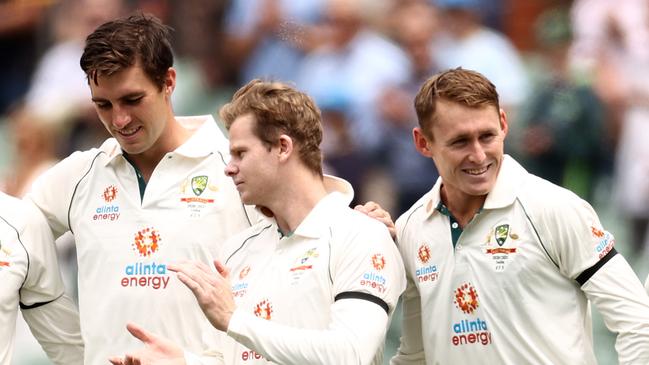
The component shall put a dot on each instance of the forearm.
(619, 296)
(354, 336)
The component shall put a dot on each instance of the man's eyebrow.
(125, 96)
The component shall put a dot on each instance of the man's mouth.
(128, 132)
(477, 171)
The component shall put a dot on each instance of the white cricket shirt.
(125, 240)
(286, 287)
(513, 286)
(30, 279)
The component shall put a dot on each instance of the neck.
(173, 137)
(462, 206)
(294, 201)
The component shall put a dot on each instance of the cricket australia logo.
(466, 298)
(146, 242)
(199, 184)
(501, 234)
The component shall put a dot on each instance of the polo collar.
(504, 193)
(340, 194)
(206, 139)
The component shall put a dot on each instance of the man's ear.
(421, 142)
(170, 81)
(504, 126)
(286, 146)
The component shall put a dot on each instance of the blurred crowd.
(573, 77)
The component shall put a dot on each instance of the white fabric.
(29, 275)
(124, 242)
(293, 281)
(512, 298)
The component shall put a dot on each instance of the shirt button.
(454, 225)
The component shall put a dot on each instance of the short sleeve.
(43, 283)
(367, 265)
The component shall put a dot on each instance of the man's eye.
(133, 101)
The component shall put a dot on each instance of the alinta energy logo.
(373, 279)
(427, 272)
(146, 242)
(474, 331)
(108, 211)
(264, 309)
(606, 241)
(239, 289)
(378, 261)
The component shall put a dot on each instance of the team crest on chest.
(199, 183)
(303, 264)
(193, 193)
(501, 245)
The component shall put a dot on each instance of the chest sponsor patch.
(470, 330)
(146, 274)
(426, 271)
(108, 211)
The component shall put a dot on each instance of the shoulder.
(413, 216)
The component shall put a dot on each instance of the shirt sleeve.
(367, 278)
(618, 295)
(356, 332)
(52, 192)
(56, 327)
(575, 239)
(52, 317)
(367, 265)
(411, 346)
(585, 252)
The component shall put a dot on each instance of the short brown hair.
(466, 87)
(120, 43)
(280, 109)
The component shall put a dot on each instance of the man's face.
(252, 166)
(467, 147)
(132, 108)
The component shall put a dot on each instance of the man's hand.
(212, 290)
(373, 210)
(157, 350)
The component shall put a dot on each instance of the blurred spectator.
(466, 42)
(562, 123)
(610, 50)
(59, 92)
(353, 65)
(34, 141)
(413, 24)
(265, 37)
(20, 26)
